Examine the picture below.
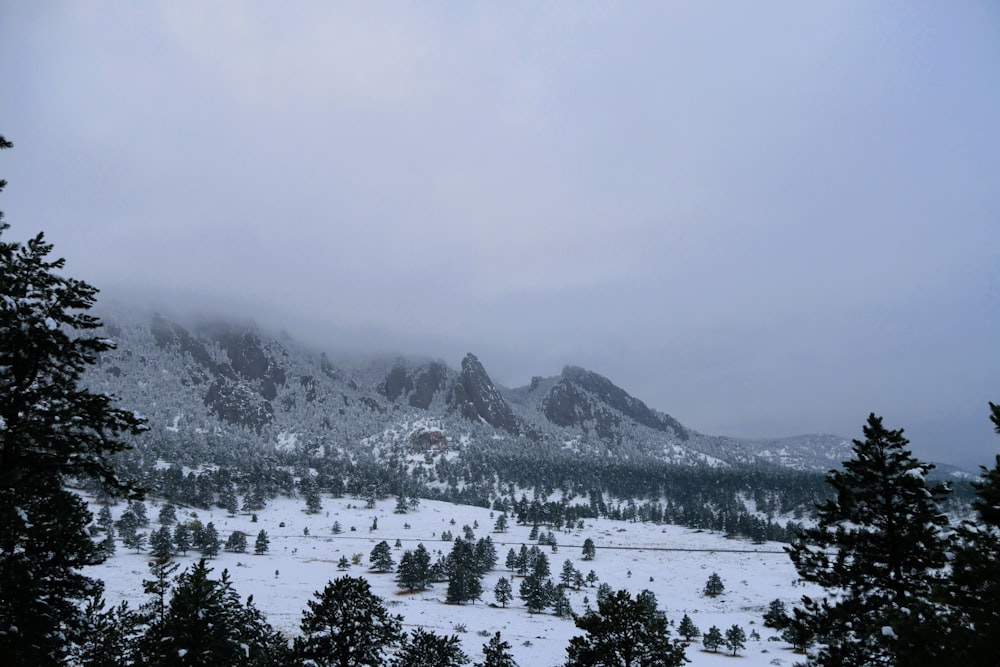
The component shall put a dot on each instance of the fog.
(764, 219)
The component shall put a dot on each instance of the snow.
(671, 561)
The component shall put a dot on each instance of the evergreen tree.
(237, 542)
(714, 586)
(511, 562)
(973, 591)
(161, 544)
(414, 569)
(381, 558)
(104, 520)
(560, 603)
(503, 591)
(426, 649)
(182, 538)
(878, 545)
(776, 616)
(566, 576)
(346, 626)
(687, 629)
(205, 625)
(624, 633)
(261, 545)
(712, 639)
(589, 550)
(168, 514)
(210, 541)
(108, 635)
(496, 653)
(735, 639)
(464, 573)
(500, 526)
(343, 563)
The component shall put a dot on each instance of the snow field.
(671, 561)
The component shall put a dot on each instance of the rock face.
(240, 391)
(418, 385)
(584, 399)
(475, 398)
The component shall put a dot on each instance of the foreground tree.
(205, 624)
(346, 626)
(51, 429)
(624, 633)
(496, 653)
(426, 649)
(878, 547)
(973, 592)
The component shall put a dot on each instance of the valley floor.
(671, 561)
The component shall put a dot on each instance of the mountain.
(208, 377)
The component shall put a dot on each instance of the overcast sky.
(763, 218)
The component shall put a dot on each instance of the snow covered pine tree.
(51, 429)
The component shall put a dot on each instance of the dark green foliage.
(415, 569)
(108, 635)
(426, 649)
(496, 653)
(205, 625)
(262, 543)
(52, 429)
(712, 639)
(209, 543)
(714, 586)
(381, 557)
(776, 615)
(687, 629)
(161, 543)
(624, 633)
(464, 570)
(735, 639)
(237, 542)
(347, 626)
(503, 591)
(879, 541)
(973, 593)
(168, 514)
(589, 550)
(182, 538)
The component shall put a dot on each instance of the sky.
(764, 219)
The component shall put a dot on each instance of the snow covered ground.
(671, 561)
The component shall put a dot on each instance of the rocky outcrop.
(238, 403)
(476, 398)
(584, 399)
(419, 385)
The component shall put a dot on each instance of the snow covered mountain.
(215, 375)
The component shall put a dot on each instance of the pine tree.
(973, 591)
(589, 550)
(776, 616)
(624, 633)
(712, 639)
(108, 635)
(496, 653)
(168, 514)
(714, 586)
(381, 558)
(500, 526)
(261, 545)
(503, 591)
(735, 638)
(346, 626)
(51, 428)
(205, 624)
(879, 547)
(464, 573)
(414, 569)
(210, 541)
(182, 538)
(237, 542)
(687, 629)
(426, 649)
(161, 544)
